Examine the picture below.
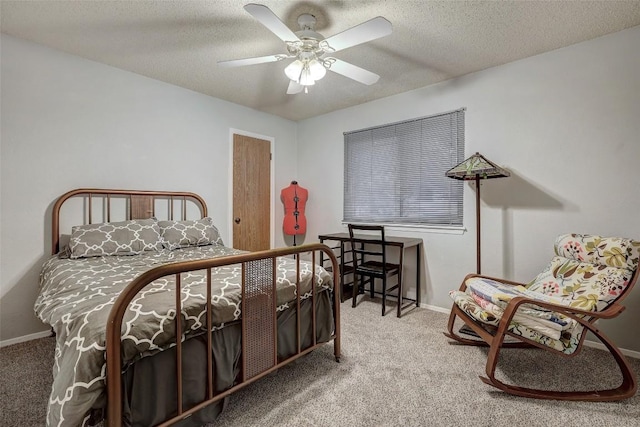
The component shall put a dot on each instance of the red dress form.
(294, 199)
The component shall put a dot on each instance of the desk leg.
(400, 288)
(418, 275)
(400, 280)
(341, 271)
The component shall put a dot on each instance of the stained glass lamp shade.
(475, 168)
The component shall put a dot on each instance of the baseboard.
(436, 308)
(600, 346)
(593, 344)
(25, 338)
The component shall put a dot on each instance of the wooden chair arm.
(572, 312)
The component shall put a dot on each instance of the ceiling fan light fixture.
(305, 71)
(316, 69)
(306, 79)
(294, 70)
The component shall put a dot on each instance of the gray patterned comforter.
(76, 297)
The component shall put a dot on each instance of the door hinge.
(270, 156)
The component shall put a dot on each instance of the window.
(395, 174)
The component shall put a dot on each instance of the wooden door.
(251, 193)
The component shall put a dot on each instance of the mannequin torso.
(294, 199)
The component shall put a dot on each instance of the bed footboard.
(259, 343)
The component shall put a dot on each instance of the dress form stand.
(296, 213)
(294, 199)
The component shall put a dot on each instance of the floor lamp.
(476, 168)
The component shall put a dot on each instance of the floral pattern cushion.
(494, 297)
(589, 287)
(590, 271)
(608, 251)
(567, 343)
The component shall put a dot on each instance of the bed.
(112, 293)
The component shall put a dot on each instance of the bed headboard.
(106, 204)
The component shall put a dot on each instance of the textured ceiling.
(180, 42)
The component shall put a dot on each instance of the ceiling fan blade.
(367, 31)
(250, 61)
(294, 88)
(271, 21)
(353, 72)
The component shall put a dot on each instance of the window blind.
(395, 174)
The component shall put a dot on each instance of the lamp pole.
(478, 223)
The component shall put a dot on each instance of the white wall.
(567, 125)
(68, 122)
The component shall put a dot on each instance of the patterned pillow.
(608, 251)
(587, 286)
(115, 238)
(181, 234)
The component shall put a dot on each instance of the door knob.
(237, 220)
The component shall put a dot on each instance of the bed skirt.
(149, 384)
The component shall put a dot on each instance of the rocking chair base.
(480, 343)
(624, 391)
(489, 339)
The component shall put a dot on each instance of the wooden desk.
(400, 242)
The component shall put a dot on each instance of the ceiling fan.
(310, 49)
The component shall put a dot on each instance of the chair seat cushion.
(486, 299)
(566, 344)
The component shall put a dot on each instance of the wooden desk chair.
(369, 257)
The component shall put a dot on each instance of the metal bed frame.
(259, 352)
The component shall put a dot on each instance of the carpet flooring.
(393, 372)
